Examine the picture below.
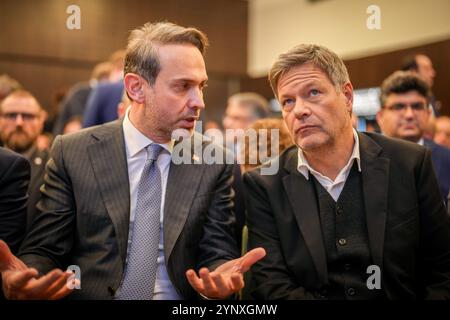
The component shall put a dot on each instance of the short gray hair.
(256, 102)
(321, 57)
(141, 53)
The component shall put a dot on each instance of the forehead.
(407, 97)
(235, 107)
(182, 61)
(423, 60)
(302, 75)
(19, 104)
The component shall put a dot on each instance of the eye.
(287, 102)
(314, 93)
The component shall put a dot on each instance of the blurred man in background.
(404, 114)
(21, 122)
(442, 131)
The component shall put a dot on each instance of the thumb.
(5, 256)
(251, 258)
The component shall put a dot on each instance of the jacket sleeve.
(50, 239)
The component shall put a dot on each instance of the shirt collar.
(135, 140)
(304, 168)
(421, 142)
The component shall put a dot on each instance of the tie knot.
(153, 151)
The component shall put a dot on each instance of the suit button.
(347, 266)
(342, 242)
(339, 211)
(351, 291)
(323, 293)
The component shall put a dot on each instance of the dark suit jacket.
(37, 160)
(85, 208)
(408, 228)
(102, 104)
(14, 177)
(441, 161)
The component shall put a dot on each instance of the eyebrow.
(189, 80)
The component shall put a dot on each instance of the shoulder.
(9, 158)
(12, 165)
(438, 150)
(394, 149)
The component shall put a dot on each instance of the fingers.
(238, 281)
(18, 279)
(208, 282)
(194, 281)
(37, 288)
(251, 258)
(58, 285)
(221, 285)
(64, 291)
(5, 256)
(214, 284)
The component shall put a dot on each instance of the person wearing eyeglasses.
(404, 115)
(21, 122)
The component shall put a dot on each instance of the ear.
(134, 85)
(379, 117)
(348, 93)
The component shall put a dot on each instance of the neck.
(329, 160)
(145, 126)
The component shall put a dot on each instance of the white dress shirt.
(335, 187)
(135, 144)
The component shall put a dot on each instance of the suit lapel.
(108, 158)
(302, 197)
(182, 186)
(375, 182)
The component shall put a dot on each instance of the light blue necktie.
(141, 268)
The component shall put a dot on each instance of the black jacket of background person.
(407, 225)
(14, 178)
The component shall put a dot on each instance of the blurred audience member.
(253, 148)
(75, 101)
(21, 122)
(117, 60)
(442, 131)
(422, 65)
(8, 85)
(404, 114)
(74, 125)
(242, 110)
(103, 100)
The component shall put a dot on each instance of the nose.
(301, 109)
(19, 120)
(196, 100)
(409, 113)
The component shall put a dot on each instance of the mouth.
(304, 128)
(189, 122)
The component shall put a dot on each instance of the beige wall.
(277, 25)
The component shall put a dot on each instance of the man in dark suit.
(108, 187)
(405, 113)
(349, 215)
(21, 123)
(14, 177)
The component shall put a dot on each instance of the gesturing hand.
(22, 282)
(227, 278)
